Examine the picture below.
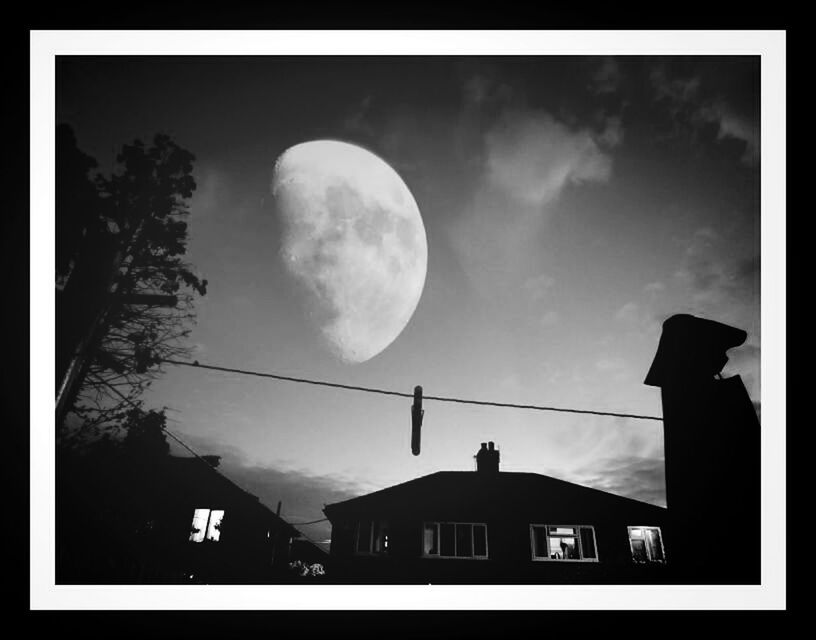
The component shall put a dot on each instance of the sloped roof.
(198, 477)
(466, 494)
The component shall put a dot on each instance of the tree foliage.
(122, 236)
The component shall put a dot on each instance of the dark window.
(479, 540)
(455, 539)
(372, 537)
(464, 540)
(380, 538)
(364, 537)
(587, 542)
(447, 542)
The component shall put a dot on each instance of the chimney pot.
(487, 459)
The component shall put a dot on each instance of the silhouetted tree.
(78, 219)
(145, 435)
(122, 283)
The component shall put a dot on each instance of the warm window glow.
(214, 528)
(563, 543)
(646, 544)
(206, 525)
(199, 526)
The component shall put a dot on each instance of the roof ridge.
(477, 475)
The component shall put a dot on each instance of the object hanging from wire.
(417, 412)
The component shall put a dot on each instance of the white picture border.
(770, 45)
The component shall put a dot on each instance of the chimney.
(487, 459)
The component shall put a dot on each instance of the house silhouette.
(491, 525)
(131, 519)
(496, 526)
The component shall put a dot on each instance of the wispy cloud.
(533, 157)
(735, 126)
(714, 280)
(637, 477)
(654, 287)
(607, 78)
(692, 108)
(528, 158)
(358, 121)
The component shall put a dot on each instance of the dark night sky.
(570, 206)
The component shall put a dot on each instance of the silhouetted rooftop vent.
(487, 459)
(690, 349)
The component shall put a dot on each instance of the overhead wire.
(402, 394)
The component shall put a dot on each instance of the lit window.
(372, 537)
(206, 525)
(559, 542)
(454, 540)
(646, 544)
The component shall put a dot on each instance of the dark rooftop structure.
(134, 519)
(493, 525)
(712, 449)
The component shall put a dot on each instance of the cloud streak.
(533, 157)
(636, 477)
(528, 158)
(690, 108)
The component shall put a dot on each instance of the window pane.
(587, 542)
(479, 540)
(639, 551)
(446, 540)
(199, 525)
(464, 544)
(432, 539)
(540, 549)
(214, 528)
(569, 531)
(380, 537)
(653, 542)
(564, 548)
(364, 537)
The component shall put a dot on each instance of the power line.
(300, 524)
(401, 394)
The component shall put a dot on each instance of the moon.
(353, 239)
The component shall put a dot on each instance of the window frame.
(439, 556)
(648, 553)
(577, 536)
(370, 547)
